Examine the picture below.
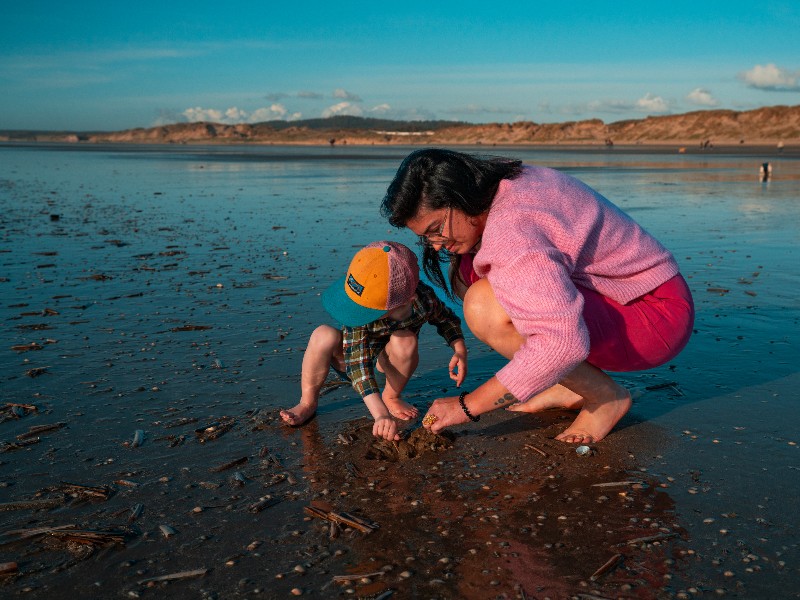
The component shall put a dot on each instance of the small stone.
(405, 574)
(297, 592)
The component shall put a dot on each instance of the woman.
(553, 276)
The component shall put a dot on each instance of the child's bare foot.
(399, 408)
(597, 418)
(555, 397)
(299, 414)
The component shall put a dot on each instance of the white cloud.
(652, 104)
(343, 108)
(345, 95)
(701, 97)
(772, 78)
(381, 109)
(234, 115)
(202, 114)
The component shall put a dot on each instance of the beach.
(156, 304)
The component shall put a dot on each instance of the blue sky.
(107, 66)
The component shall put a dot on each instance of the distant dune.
(763, 126)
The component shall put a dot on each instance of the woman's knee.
(482, 311)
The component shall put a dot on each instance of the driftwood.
(174, 576)
(214, 430)
(263, 504)
(96, 491)
(229, 465)
(346, 578)
(9, 446)
(652, 538)
(35, 430)
(342, 518)
(535, 449)
(607, 567)
(91, 536)
(23, 534)
(32, 504)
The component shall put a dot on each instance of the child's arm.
(359, 361)
(458, 364)
(385, 426)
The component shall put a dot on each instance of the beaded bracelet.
(463, 404)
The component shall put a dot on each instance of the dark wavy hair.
(434, 178)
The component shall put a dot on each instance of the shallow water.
(136, 268)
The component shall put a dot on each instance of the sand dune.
(769, 125)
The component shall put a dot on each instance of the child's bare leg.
(324, 346)
(398, 361)
(605, 402)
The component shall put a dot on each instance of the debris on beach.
(138, 438)
(27, 347)
(214, 430)
(326, 512)
(175, 576)
(35, 430)
(36, 371)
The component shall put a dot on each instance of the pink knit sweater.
(545, 233)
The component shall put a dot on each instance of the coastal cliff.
(769, 125)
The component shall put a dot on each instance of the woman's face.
(448, 228)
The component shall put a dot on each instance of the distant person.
(765, 171)
(382, 305)
(780, 146)
(553, 276)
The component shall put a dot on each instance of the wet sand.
(160, 331)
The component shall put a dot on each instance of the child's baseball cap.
(382, 276)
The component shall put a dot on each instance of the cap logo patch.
(357, 288)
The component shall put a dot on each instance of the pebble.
(297, 592)
(405, 574)
(300, 569)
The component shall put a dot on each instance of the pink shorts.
(645, 333)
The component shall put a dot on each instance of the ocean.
(144, 284)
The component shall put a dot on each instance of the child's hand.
(386, 428)
(458, 364)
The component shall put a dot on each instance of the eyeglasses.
(439, 237)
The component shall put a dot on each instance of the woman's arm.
(448, 411)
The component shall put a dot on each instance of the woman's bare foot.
(555, 397)
(597, 418)
(299, 414)
(399, 408)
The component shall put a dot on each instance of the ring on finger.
(430, 420)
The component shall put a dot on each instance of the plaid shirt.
(362, 345)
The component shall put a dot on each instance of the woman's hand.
(447, 411)
(458, 364)
(386, 427)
